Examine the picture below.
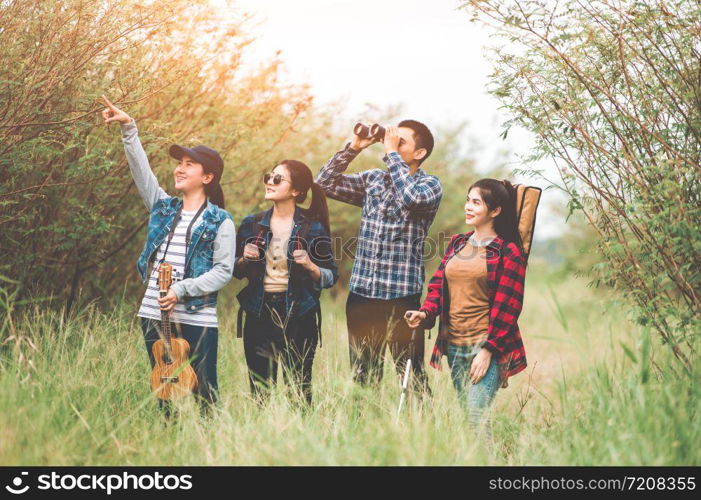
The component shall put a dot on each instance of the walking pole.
(407, 374)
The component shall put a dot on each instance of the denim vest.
(200, 251)
(302, 294)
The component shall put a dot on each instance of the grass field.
(75, 392)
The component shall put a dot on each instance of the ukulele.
(172, 376)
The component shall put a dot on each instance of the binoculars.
(375, 131)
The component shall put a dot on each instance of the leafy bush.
(69, 212)
(611, 92)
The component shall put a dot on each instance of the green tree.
(69, 213)
(611, 91)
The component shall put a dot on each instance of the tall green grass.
(78, 394)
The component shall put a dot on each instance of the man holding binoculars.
(398, 205)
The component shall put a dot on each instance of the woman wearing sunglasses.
(285, 252)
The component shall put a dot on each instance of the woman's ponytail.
(319, 208)
(303, 181)
(215, 193)
(502, 194)
(506, 222)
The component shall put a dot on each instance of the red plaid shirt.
(506, 273)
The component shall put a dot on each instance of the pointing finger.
(108, 103)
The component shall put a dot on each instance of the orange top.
(468, 318)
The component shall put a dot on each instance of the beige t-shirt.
(276, 271)
(468, 319)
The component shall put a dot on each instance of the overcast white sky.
(359, 51)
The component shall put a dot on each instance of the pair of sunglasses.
(277, 178)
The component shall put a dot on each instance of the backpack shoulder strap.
(303, 233)
(317, 313)
(304, 230)
(257, 228)
(239, 323)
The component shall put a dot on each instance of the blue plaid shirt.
(398, 209)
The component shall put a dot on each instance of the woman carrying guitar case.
(190, 246)
(477, 294)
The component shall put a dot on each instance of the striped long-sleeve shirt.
(397, 211)
(224, 254)
(207, 316)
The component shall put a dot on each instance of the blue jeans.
(474, 398)
(203, 349)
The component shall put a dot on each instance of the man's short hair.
(422, 136)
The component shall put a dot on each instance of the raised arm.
(416, 194)
(349, 188)
(146, 182)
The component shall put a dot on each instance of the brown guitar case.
(527, 199)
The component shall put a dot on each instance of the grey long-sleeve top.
(225, 242)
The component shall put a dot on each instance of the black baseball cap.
(208, 157)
